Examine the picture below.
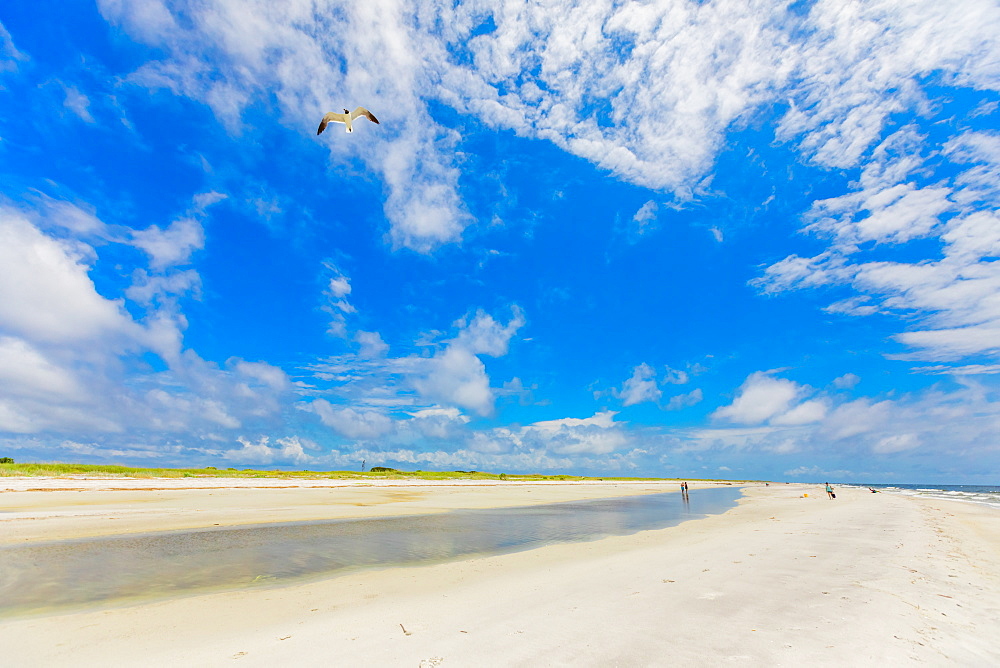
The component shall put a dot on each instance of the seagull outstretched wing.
(361, 111)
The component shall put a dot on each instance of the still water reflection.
(122, 568)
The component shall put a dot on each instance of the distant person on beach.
(829, 491)
(873, 490)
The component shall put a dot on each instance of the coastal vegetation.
(9, 468)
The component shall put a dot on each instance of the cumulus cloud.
(350, 422)
(957, 423)
(676, 376)
(847, 381)
(483, 335)
(454, 377)
(641, 387)
(805, 413)
(777, 401)
(679, 401)
(457, 376)
(72, 358)
(171, 246)
(289, 450)
(760, 398)
(599, 434)
(371, 344)
(46, 293)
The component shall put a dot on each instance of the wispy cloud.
(953, 295)
(580, 79)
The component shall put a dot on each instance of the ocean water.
(50, 576)
(988, 495)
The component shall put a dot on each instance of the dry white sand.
(779, 580)
(41, 509)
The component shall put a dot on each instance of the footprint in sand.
(431, 662)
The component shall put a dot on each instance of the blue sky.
(716, 239)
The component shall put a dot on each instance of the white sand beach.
(781, 579)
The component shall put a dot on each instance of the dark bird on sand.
(347, 118)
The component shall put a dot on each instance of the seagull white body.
(347, 118)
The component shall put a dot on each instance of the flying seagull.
(347, 118)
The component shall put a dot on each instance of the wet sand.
(43, 509)
(780, 580)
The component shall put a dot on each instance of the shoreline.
(779, 579)
(51, 509)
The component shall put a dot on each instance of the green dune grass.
(116, 471)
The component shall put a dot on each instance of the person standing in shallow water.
(829, 491)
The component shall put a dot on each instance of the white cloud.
(312, 59)
(261, 373)
(776, 401)
(896, 443)
(171, 246)
(603, 419)
(77, 218)
(760, 398)
(485, 336)
(641, 387)
(350, 422)
(9, 54)
(676, 376)
(72, 357)
(579, 79)
(805, 413)
(856, 417)
(951, 299)
(337, 305)
(955, 425)
(339, 286)
(25, 371)
(847, 381)
(596, 435)
(78, 103)
(438, 423)
(456, 376)
(680, 401)
(967, 370)
(372, 344)
(46, 294)
(643, 222)
(148, 289)
(38, 393)
(291, 450)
